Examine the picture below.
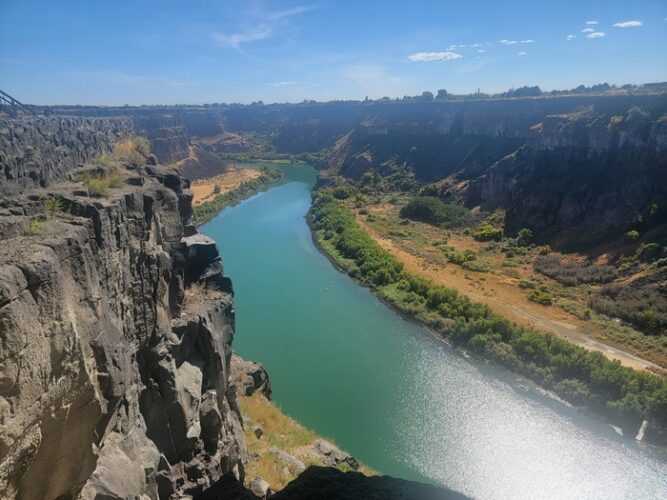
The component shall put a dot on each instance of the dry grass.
(283, 432)
(204, 190)
(134, 150)
(420, 248)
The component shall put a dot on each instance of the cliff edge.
(116, 324)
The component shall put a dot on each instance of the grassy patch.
(99, 183)
(281, 431)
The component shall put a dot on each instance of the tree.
(441, 95)
(427, 95)
(524, 237)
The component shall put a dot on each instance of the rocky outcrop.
(116, 333)
(582, 178)
(333, 456)
(250, 376)
(36, 151)
(168, 137)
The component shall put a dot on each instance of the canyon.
(117, 321)
(117, 317)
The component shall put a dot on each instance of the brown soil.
(501, 294)
(232, 178)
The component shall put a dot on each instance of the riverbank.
(205, 190)
(280, 448)
(208, 208)
(499, 292)
(620, 395)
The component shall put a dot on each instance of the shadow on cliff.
(332, 484)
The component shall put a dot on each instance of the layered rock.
(36, 151)
(116, 324)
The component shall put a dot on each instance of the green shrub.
(342, 193)
(585, 377)
(486, 232)
(35, 227)
(99, 183)
(52, 206)
(526, 284)
(632, 235)
(432, 210)
(544, 250)
(540, 297)
(479, 266)
(524, 237)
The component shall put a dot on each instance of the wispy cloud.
(434, 56)
(235, 40)
(596, 34)
(628, 24)
(530, 40)
(587, 30)
(262, 24)
(522, 53)
(481, 51)
(508, 42)
(591, 22)
(570, 37)
(282, 84)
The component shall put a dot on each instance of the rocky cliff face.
(38, 151)
(116, 325)
(582, 178)
(576, 171)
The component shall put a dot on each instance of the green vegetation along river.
(405, 403)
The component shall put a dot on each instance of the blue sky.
(152, 52)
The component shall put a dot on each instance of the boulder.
(333, 456)
(294, 464)
(250, 376)
(260, 487)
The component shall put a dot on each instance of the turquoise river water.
(402, 401)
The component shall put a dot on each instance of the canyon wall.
(576, 170)
(116, 324)
(37, 151)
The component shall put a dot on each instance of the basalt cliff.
(578, 171)
(116, 323)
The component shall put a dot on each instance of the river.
(402, 401)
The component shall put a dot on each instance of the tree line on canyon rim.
(581, 377)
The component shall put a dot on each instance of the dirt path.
(203, 189)
(505, 299)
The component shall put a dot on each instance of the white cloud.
(235, 40)
(588, 30)
(595, 34)
(260, 25)
(530, 40)
(481, 51)
(281, 84)
(508, 42)
(522, 53)
(475, 45)
(570, 37)
(434, 56)
(591, 22)
(628, 24)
